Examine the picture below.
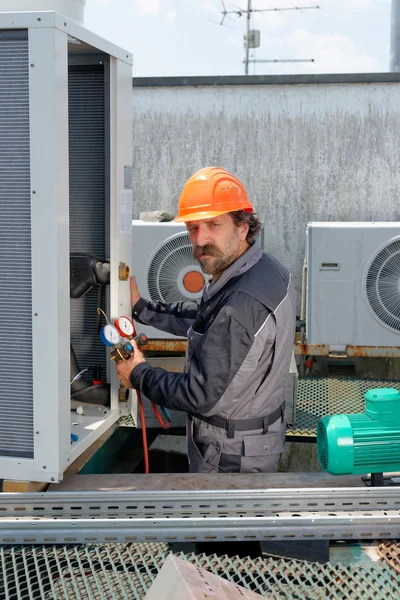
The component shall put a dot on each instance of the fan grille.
(323, 453)
(383, 285)
(168, 266)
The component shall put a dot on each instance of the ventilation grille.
(16, 394)
(383, 285)
(168, 268)
(87, 199)
(322, 446)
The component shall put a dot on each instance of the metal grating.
(318, 397)
(87, 136)
(390, 553)
(122, 571)
(16, 396)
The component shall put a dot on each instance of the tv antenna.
(252, 36)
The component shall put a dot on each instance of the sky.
(184, 37)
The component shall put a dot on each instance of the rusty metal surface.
(173, 346)
(179, 346)
(374, 351)
(351, 351)
(311, 350)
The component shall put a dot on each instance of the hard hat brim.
(211, 214)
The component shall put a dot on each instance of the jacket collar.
(245, 262)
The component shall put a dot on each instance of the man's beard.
(216, 262)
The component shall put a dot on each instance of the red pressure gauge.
(124, 326)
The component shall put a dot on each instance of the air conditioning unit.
(73, 9)
(65, 187)
(353, 284)
(163, 263)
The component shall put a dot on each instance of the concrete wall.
(328, 149)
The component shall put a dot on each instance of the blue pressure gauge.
(109, 335)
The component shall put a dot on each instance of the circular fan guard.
(383, 285)
(168, 268)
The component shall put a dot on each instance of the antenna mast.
(252, 37)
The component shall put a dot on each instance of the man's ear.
(243, 231)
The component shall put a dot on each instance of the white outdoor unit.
(163, 263)
(353, 284)
(65, 186)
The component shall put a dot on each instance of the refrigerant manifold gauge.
(109, 335)
(125, 327)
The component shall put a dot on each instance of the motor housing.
(368, 442)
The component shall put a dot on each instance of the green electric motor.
(362, 443)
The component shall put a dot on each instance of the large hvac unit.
(353, 284)
(163, 263)
(65, 187)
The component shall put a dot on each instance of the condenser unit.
(65, 187)
(353, 284)
(163, 263)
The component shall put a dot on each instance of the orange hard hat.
(211, 192)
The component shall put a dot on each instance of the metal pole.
(395, 37)
(246, 60)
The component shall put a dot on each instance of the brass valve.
(123, 272)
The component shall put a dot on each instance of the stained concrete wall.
(328, 149)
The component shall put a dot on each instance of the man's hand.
(135, 294)
(125, 367)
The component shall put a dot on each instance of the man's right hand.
(135, 294)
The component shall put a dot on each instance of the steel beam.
(315, 526)
(192, 503)
(333, 513)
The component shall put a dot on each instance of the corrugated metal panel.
(87, 198)
(16, 394)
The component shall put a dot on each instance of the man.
(240, 336)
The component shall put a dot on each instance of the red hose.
(159, 417)
(143, 421)
(144, 434)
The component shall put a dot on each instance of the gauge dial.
(124, 326)
(109, 335)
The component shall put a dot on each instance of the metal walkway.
(126, 571)
(318, 397)
(108, 545)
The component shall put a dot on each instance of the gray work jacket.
(240, 341)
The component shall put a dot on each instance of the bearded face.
(217, 242)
